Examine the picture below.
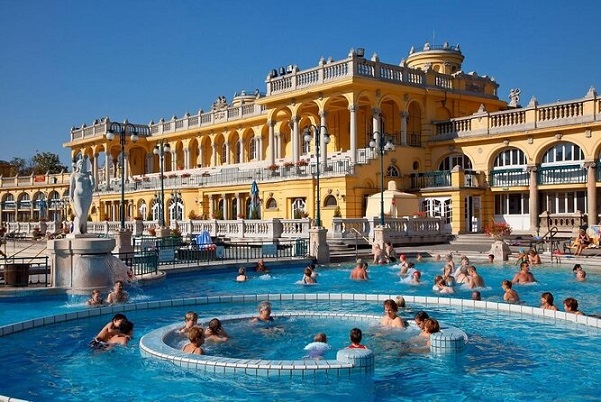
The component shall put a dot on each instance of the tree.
(40, 163)
(47, 162)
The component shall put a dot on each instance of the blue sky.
(65, 63)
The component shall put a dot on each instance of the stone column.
(107, 168)
(323, 147)
(186, 158)
(241, 150)
(227, 153)
(295, 139)
(95, 171)
(533, 201)
(591, 192)
(239, 204)
(211, 206)
(381, 236)
(376, 120)
(318, 245)
(272, 142)
(404, 116)
(226, 214)
(353, 133)
(214, 148)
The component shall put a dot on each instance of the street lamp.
(381, 144)
(319, 131)
(160, 150)
(123, 130)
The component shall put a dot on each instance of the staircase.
(345, 251)
(472, 241)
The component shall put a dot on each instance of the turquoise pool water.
(508, 357)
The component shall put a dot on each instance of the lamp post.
(123, 130)
(381, 144)
(160, 150)
(319, 131)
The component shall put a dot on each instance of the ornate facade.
(469, 156)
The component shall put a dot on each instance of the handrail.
(360, 234)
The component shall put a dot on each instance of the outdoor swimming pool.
(508, 357)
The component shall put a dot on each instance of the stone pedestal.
(381, 235)
(500, 250)
(163, 232)
(318, 246)
(82, 263)
(138, 227)
(122, 242)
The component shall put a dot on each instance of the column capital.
(295, 119)
(376, 111)
(323, 114)
(590, 165)
(352, 108)
(531, 168)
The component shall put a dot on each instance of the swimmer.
(391, 319)
(546, 301)
(379, 255)
(356, 336)
(400, 302)
(196, 338)
(510, 296)
(215, 332)
(419, 318)
(260, 267)
(360, 271)
(475, 280)
(430, 326)
(241, 275)
(437, 258)
(579, 273)
(126, 330)
(476, 295)
(390, 252)
(317, 348)
(118, 295)
(190, 321)
(447, 276)
(524, 275)
(111, 329)
(308, 277)
(570, 305)
(314, 273)
(491, 258)
(96, 299)
(418, 257)
(441, 286)
(416, 277)
(264, 309)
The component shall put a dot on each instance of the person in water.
(118, 295)
(190, 321)
(356, 336)
(264, 309)
(215, 332)
(96, 299)
(391, 318)
(196, 338)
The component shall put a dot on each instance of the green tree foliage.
(40, 163)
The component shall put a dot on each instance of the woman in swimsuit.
(308, 278)
(197, 338)
(264, 312)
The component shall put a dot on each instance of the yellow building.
(467, 155)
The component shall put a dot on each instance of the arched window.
(451, 161)
(298, 208)
(509, 169)
(176, 209)
(271, 204)
(330, 201)
(223, 155)
(564, 153)
(253, 146)
(155, 207)
(237, 153)
(392, 171)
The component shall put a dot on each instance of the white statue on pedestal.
(80, 192)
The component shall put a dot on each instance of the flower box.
(497, 229)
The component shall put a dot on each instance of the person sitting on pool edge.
(391, 318)
(118, 295)
(215, 332)
(581, 242)
(197, 338)
(356, 336)
(533, 257)
(264, 309)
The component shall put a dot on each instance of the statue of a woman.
(80, 192)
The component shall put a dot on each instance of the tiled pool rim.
(348, 361)
(357, 297)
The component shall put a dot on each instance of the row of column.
(238, 199)
(591, 194)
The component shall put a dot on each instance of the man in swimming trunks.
(524, 276)
(359, 272)
(118, 295)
